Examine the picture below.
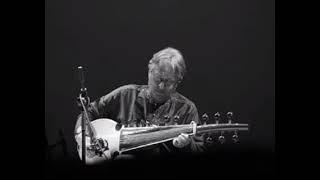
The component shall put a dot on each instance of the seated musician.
(156, 103)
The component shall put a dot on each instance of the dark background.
(228, 47)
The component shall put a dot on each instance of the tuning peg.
(221, 139)
(176, 119)
(229, 117)
(119, 126)
(142, 123)
(209, 139)
(217, 117)
(205, 118)
(235, 137)
(166, 118)
(134, 124)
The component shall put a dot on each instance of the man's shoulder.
(123, 91)
(128, 88)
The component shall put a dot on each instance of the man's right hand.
(85, 101)
(91, 157)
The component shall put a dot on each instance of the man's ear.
(176, 86)
(149, 73)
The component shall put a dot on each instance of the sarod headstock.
(223, 128)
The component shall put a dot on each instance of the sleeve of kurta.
(197, 141)
(105, 106)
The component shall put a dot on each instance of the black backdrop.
(228, 47)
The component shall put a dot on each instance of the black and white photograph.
(159, 89)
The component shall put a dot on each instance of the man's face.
(162, 82)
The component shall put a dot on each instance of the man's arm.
(196, 142)
(101, 107)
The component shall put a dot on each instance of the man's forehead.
(164, 70)
(165, 66)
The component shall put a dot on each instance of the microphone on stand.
(84, 100)
(83, 89)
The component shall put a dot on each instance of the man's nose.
(161, 85)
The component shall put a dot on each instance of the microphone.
(82, 81)
(81, 76)
(83, 95)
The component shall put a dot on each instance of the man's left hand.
(181, 141)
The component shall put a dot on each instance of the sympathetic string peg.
(142, 123)
(229, 117)
(221, 139)
(119, 126)
(209, 138)
(235, 137)
(217, 117)
(139, 124)
(135, 123)
(176, 119)
(166, 118)
(205, 118)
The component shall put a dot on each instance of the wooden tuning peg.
(205, 118)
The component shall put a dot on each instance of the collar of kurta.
(144, 94)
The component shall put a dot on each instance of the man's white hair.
(174, 57)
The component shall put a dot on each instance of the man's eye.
(157, 80)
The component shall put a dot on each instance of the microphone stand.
(84, 100)
(97, 145)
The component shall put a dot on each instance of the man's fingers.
(184, 135)
(183, 138)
